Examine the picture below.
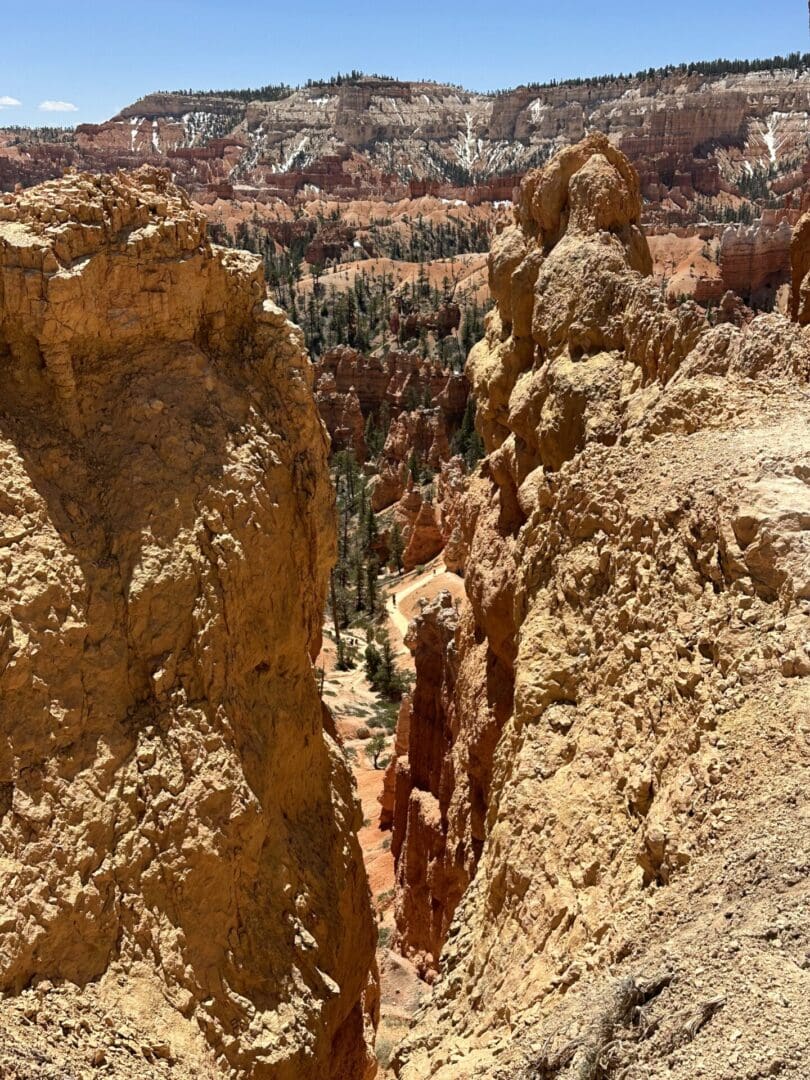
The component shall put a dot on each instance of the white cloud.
(58, 106)
(7, 102)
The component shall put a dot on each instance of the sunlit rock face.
(177, 830)
(622, 702)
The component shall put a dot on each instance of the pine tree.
(370, 531)
(359, 584)
(371, 436)
(397, 545)
(375, 747)
(372, 570)
(388, 682)
(372, 661)
(413, 467)
(466, 440)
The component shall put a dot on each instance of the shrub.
(382, 671)
(375, 748)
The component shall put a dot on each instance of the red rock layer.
(398, 379)
(342, 416)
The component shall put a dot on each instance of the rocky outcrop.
(417, 517)
(623, 729)
(180, 875)
(396, 765)
(342, 416)
(414, 313)
(420, 436)
(422, 432)
(800, 270)
(329, 242)
(731, 309)
(388, 484)
(755, 259)
(429, 883)
(451, 484)
(352, 369)
(424, 540)
(703, 262)
(398, 380)
(414, 381)
(688, 266)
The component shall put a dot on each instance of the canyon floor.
(352, 702)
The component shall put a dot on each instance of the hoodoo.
(180, 879)
(603, 822)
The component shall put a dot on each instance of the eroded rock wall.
(687, 133)
(629, 743)
(417, 436)
(755, 259)
(177, 830)
(398, 380)
(428, 885)
(342, 416)
(800, 271)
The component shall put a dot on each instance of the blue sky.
(99, 56)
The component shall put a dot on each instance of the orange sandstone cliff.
(601, 809)
(181, 886)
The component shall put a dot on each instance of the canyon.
(721, 150)
(435, 674)
(690, 130)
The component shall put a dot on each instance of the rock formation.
(800, 270)
(399, 380)
(755, 259)
(389, 484)
(687, 131)
(613, 741)
(180, 877)
(350, 368)
(428, 884)
(397, 763)
(424, 540)
(704, 261)
(418, 518)
(688, 265)
(451, 484)
(421, 432)
(342, 415)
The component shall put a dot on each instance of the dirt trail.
(355, 707)
(402, 603)
(395, 599)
